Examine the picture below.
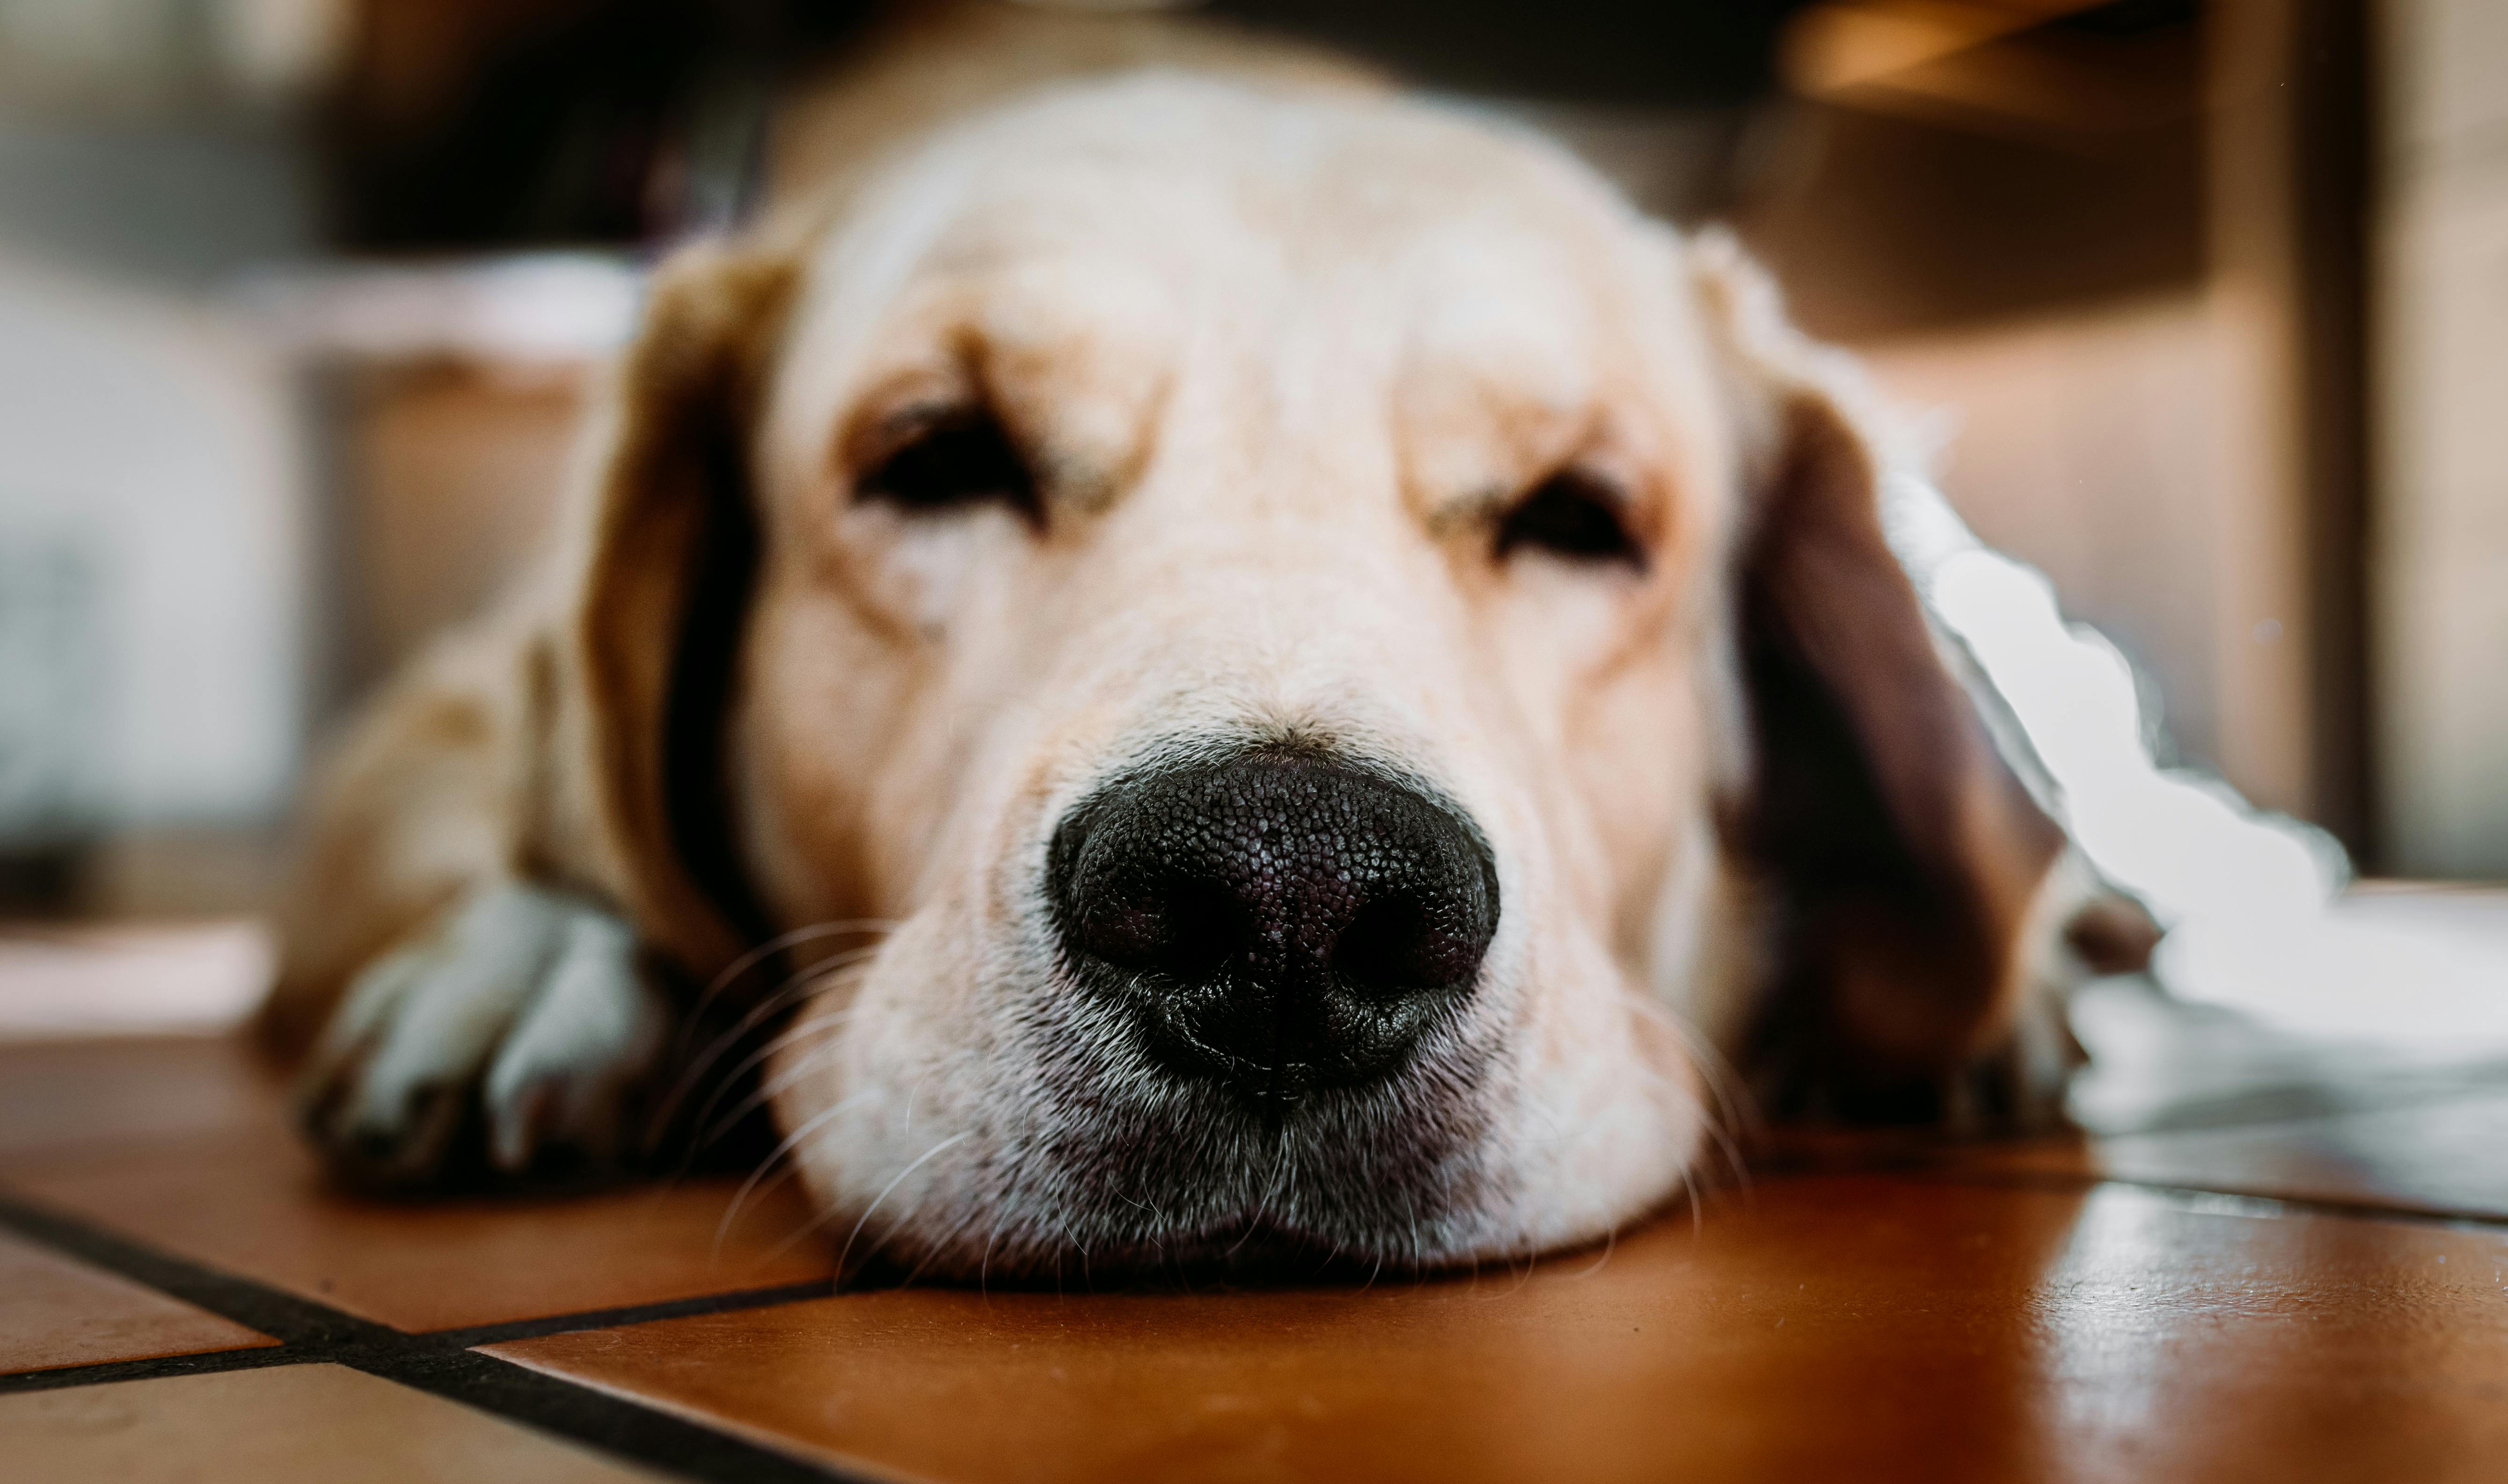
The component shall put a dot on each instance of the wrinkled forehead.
(1108, 240)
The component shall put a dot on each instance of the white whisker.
(898, 1179)
(773, 945)
(809, 1062)
(800, 982)
(785, 1146)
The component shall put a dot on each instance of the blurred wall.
(2442, 553)
(2006, 222)
(2083, 443)
(2124, 244)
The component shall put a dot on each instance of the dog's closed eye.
(952, 460)
(1572, 515)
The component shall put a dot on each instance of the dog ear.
(1899, 853)
(662, 597)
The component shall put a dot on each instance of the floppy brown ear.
(1899, 853)
(664, 593)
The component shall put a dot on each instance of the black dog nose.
(1278, 921)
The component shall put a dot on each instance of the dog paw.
(515, 1033)
(2015, 1084)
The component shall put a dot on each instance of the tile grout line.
(255, 1357)
(1931, 1169)
(730, 1301)
(203, 1363)
(440, 1363)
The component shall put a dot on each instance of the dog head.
(1346, 658)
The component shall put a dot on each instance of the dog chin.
(1257, 1247)
(1238, 1201)
(1246, 1252)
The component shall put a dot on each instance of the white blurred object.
(164, 442)
(196, 977)
(279, 48)
(51, 668)
(535, 308)
(2253, 902)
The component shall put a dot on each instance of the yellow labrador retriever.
(1325, 670)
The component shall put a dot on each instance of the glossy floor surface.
(2285, 1289)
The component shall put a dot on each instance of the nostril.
(1207, 928)
(1130, 933)
(1187, 929)
(1402, 942)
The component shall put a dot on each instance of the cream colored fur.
(1281, 345)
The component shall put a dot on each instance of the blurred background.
(2206, 302)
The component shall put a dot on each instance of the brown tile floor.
(56, 1311)
(1805, 1332)
(189, 1152)
(304, 1422)
(2294, 1298)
